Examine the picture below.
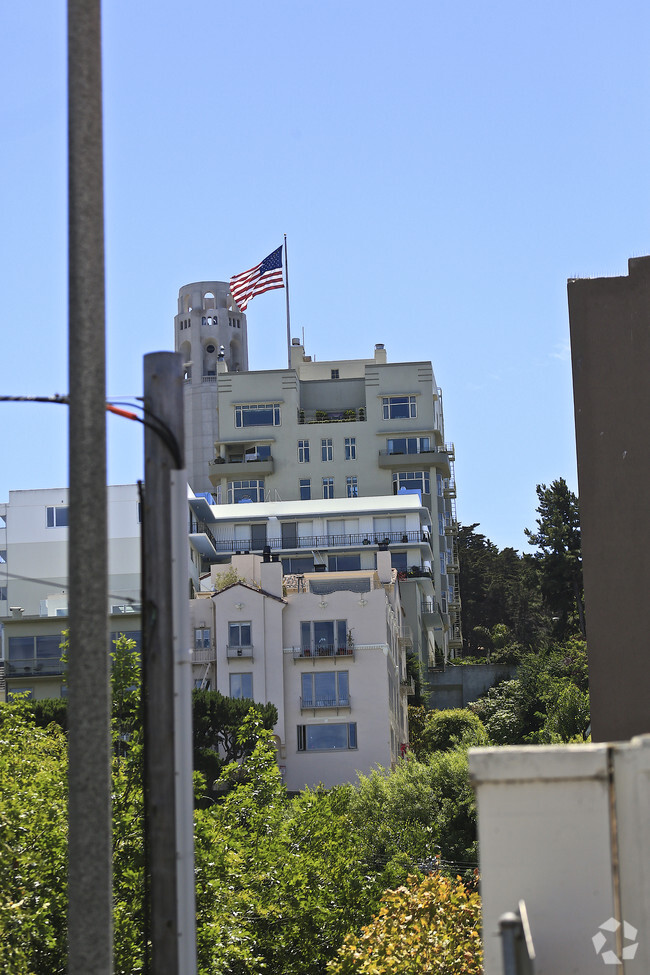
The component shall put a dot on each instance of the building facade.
(327, 649)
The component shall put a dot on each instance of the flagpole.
(286, 285)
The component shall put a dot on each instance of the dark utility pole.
(89, 785)
(167, 672)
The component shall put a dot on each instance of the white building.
(339, 535)
(327, 649)
(34, 581)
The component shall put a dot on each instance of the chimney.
(380, 352)
(384, 567)
(271, 577)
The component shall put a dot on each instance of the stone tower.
(208, 327)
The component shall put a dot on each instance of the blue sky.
(440, 170)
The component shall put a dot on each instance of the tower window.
(334, 374)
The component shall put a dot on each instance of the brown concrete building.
(610, 348)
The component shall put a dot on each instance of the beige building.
(327, 649)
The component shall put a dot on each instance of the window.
(3, 554)
(411, 481)
(305, 489)
(323, 638)
(251, 490)
(257, 415)
(443, 563)
(3, 592)
(202, 639)
(297, 565)
(399, 407)
(352, 487)
(408, 445)
(334, 374)
(35, 655)
(328, 487)
(56, 517)
(343, 563)
(350, 448)
(326, 737)
(303, 451)
(398, 561)
(326, 450)
(241, 685)
(327, 689)
(439, 484)
(239, 635)
(202, 684)
(257, 452)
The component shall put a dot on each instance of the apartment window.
(305, 489)
(202, 684)
(202, 639)
(334, 374)
(352, 487)
(303, 451)
(298, 565)
(327, 737)
(257, 452)
(328, 487)
(398, 560)
(343, 563)
(257, 415)
(35, 655)
(326, 449)
(350, 448)
(439, 484)
(399, 407)
(239, 635)
(241, 685)
(323, 637)
(3, 554)
(408, 445)
(327, 689)
(3, 592)
(56, 517)
(412, 481)
(441, 523)
(252, 490)
(443, 563)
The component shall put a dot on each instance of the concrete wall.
(610, 349)
(456, 686)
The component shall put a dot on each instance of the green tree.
(559, 559)
(33, 839)
(429, 925)
(444, 730)
(216, 730)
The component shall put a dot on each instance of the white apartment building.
(327, 649)
(334, 535)
(317, 430)
(34, 581)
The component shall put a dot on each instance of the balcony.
(450, 490)
(233, 653)
(240, 467)
(429, 608)
(203, 657)
(31, 667)
(302, 653)
(320, 704)
(438, 458)
(384, 539)
(405, 637)
(355, 415)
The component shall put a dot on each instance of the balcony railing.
(428, 606)
(322, 651)
(358, 414)
(30, 667)
(321, 541)
(232, 652)
(308, 703)
(203, 657)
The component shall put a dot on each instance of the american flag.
(265, 276)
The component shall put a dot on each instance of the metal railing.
(322, 651)
(321, 702)
(319, 541)
(239, 652)
(358, 414)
